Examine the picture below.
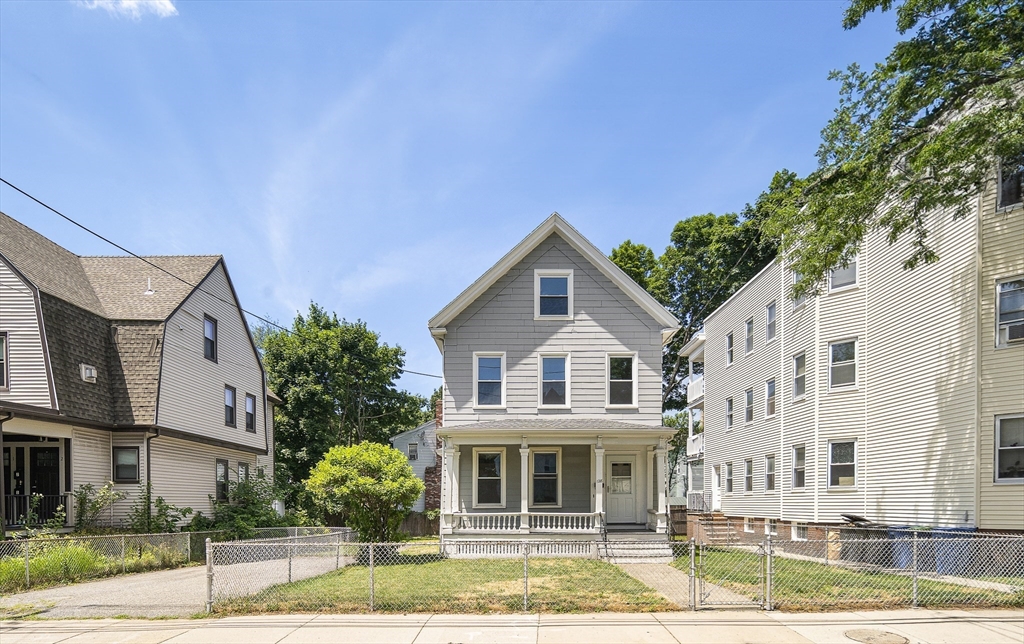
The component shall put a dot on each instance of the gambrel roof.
(555, 224)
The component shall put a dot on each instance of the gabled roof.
(556, 224)
(430, 424)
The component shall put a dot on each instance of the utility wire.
(180, 279)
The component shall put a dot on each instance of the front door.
(44, 478)
(716, 488)
(622, 489)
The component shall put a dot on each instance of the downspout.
(149, 460)
(3, 492)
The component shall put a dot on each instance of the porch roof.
(555, 424)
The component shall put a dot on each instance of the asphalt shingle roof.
(120, 283)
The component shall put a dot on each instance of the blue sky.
(378, 157)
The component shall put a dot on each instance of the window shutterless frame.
(243, 471)
(799, 376)
(489, 376)
(1009, 444)
(843, 277)
(842, 364)
(769, 324)
(554, 381)
(728, 413)
(728, 349)
(413, 451)
(622, 371)
(748, 409)
(1010, 312)
(798, 532)
(748, 337)
(728, 478)
(842, 464)
(492, 469)
(748, 524)
(209, 338)
(250, 413)
(799, 300)
(125, 464)
(748, 475)
(769, 473)
(769, 398)
(542, 479)
(230, 406)
(221, 479)
(4, 361)
(799, 467)
(552, 294)
(1011, 183)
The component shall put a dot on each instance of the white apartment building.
(896, 395)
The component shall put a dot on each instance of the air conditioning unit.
(88, 372)
(1012, 333)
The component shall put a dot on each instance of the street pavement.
(719, 626)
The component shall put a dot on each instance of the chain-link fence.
(29, 563)
(302, 531)
(328, 573)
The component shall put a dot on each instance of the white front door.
(716, 489)
(621, 489)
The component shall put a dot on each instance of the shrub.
(148, 516)
(91, 502)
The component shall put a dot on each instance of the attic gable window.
(209, 338)
(553, 294)
(1011, 182)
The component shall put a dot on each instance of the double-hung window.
(771, 527)
(229, 406)
(553, 299)
(250, 413)
(413, 450)
(748, 524)
(728, 413)
(843, 276)
(748, 409)
(748, 475)
(769, 473)
(1010, 312)
(801, 299)
(222, 480)
(554, 381)
(728, 349)
(798, 532)
(1011, 182)
(842, 364)
(842, 464)
(3, 361)
(1010, 448)
(769, 325)
(769, 398)
(243, 472)
(748, 340)
(799, 376)
(728, 477)
(126, 464)
(209, 338)
(799, 466)
(545, 488)
(489, 379)
(622, 373)
(488, 477)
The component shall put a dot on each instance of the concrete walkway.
(918, 626)
(674, 585)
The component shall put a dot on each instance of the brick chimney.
(432, 475)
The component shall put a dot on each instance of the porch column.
(662, 455)
(524, 486)
(651, 495)
(599, 482)
(449, 488)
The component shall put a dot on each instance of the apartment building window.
(842, 459)
(1010, 312)
(1010, 448)
(3, 361)
(748, 347)
(801, 299)
(748, 409)
(126, 464)
(243, 472)
(554, 381)
(748, 524)
(545, 484)
(799, 532)
(489, 379)
(769, 473)
(728, 477)
(250, 413)
(413, 450)
(728, 349)
(799, 456)
(799, 376)
(771, 527)
(553, 290)
(209, 338)
(748, 475)
(843, 276)
(222, 480)
(842, 371)
(229, 406)
(1011, 181)
(622, 376)
(488, 478)
(769, 398)
(769, 325)
(728, 413)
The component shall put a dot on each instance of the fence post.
(769, 573)
(914, 563)
(291, 549)
(693, 574)
(337, 554)
(124, 566)
(828, 544)
(28, 578)
(209, 575)
(526, 576)
(371, 576)
(188, 545)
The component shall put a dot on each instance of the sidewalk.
(721, 627)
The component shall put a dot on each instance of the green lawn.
(807, 585)
(417, 583)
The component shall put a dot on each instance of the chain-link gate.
(731, 575)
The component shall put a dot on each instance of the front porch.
(36, 476)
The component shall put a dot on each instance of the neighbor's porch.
(580, 487)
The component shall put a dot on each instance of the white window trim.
(999, 343)
(828, 470)
(846, 287)
(995, 445)
(793, 377)
(768, 340)
(476, 475)
(793, 534)
(775, 474)
(5, 359)
(558, 471)
(608, 379)
(774, 397)
(730, 348)
(748, 336)
(853, 386)
(792, 472)
(771, 527)
(748, 524)
(552, 272)
(728, 479)
(999, 192)
(476, 377)
(730, 414)
(748, 475)
(751, 406)
(540, 380)
(798, 302)
(410, 448)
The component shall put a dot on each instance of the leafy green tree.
(917, 135)
(371, 484)
(337, 381)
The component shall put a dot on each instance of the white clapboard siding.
(192, 387)
(426, 454)
(29, 384)
(91, 457)
(185, 473)
(606, 320)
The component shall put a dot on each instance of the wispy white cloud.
(132, 8)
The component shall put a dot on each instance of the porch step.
(636, 551)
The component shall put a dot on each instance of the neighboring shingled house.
(113, 370)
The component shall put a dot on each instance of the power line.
(180, 279)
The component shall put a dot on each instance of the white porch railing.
(695, 391)
(695, 445)
(485, 522)
(564, 522)
(491, 522)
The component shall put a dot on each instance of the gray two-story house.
(114, 370)
(552, 418)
